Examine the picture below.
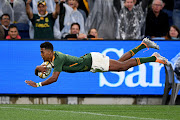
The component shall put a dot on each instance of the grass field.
(89, 112)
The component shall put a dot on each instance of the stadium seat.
(170, 83)
(23, 30)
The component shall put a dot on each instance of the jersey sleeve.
(59, 62)
(33, 19)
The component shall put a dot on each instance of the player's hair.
(47, 45)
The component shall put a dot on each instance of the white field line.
(89, 113)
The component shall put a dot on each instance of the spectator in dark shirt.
(168, 8)
(5, 22)
(157, 23)
(43, 22)
(75, 32)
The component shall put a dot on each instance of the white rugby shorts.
(100, 62)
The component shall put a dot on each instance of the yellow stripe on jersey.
(73, 64)
(138, 46)
(132, 53)
(138, 61)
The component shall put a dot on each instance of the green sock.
(136, 49)
(145, 60)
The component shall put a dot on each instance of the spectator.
(1, 32)
(174, 33)
(68, 15)
(43, 22)
(132, 19)
(13, 33)
(51, 5)
(75, 32)
(157, 23)
(93, 32)
(176, 13)
(168, 9)
(16, 9)
(5, 22)
(17, 12)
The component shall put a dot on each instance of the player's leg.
(125, 65)
(146, 43)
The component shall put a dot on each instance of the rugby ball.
(44, 75)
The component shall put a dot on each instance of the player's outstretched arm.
(50, 80)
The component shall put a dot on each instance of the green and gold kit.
(68, 63)
(43, 26)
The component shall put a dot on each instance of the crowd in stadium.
(89, 19)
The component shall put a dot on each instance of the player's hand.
(31, 83)
(42, 68)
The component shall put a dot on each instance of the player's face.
(173, 32)
(46, 54)
(129, 4)
(42, 9)
(13, 32)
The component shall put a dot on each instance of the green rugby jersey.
(68, 63)
(43, 26)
